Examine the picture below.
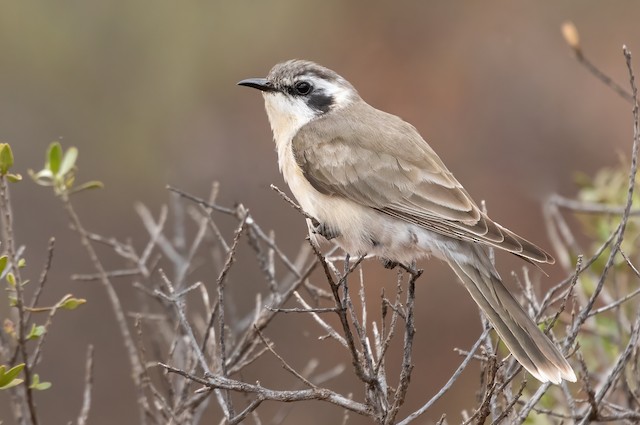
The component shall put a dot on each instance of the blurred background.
(146, 91)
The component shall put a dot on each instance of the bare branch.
(274, 395)
(88, 385)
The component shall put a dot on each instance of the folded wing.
(392, 169)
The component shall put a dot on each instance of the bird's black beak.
(261, 84)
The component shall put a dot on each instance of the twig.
(590, 207)
(292, 203)
(613, 375)
(111, 293)
(449, 383)
(304, 310)
(200, 201)
(250, 222)
(265, 318)
(88, 384)
(43, 277)
(5, 205)
(509, 408)
(284, 362)
(220, 285)
(484, 410)
(335, 287)
(630, 191)
(114, 273)
(332, 332)
(572, 38)
(174, 299)
(263, 393)
(407, 367)
(155, 229)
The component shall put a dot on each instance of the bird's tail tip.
(555, 374)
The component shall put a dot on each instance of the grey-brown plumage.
(357, 158)
(375, 184)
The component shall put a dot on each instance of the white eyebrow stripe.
(341, 94)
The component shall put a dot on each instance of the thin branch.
(570, 33)
(292, 202)
(407, 366)
(590, 207)
(220, 285)
(216, 382)
(285, 365)
(215, 207)
(5, 205)
(97, 276)
(43, 277)
(449, 383)
(332, 332)
(342, 314)
(250, 222)
(304, 310)
(265, 318)
(111, 293)
(88, 384)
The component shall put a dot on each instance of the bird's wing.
(378, 160)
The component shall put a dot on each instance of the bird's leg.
(412, 269)
(323, 230)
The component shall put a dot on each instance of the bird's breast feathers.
(361, 229)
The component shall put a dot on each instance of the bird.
(373, 185)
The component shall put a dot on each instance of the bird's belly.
(362, 229)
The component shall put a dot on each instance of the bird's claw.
(389, 264)
(323, 230)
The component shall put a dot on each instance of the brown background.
(146, 91)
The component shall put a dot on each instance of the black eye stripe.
(320, 101)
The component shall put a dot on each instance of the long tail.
(535, 352)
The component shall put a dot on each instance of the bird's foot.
(389, 264)
(409, 268)
(323, 230)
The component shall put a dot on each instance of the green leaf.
(14, 178)
(43, 177)
(8, 378)
(37, 385)
(42, 386)
(13, 383)
(11, 373)
(69, 161)
(3, 263)
(22, 262)
(94, 184)
(54, 157)
(36, 332)
(72, 303)
(9, 328)
(6, 158)
(11, 279)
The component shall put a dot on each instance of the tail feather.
(528, 344)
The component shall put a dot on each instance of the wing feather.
(382, 162)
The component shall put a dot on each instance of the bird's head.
(298, 91)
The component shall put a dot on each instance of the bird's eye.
(302, 88)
